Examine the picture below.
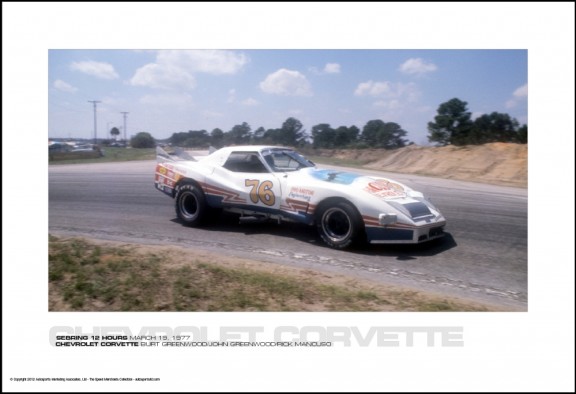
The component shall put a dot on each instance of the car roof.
(250, 148)
(219, 157)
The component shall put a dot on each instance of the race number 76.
(261, 191)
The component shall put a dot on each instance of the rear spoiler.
(174, 154)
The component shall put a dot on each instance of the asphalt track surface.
(483, 256)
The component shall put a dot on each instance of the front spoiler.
(415, 235)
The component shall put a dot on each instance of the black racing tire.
(340, 225)
(191, 206)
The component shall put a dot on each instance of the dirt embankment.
(495, 163)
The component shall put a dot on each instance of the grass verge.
(88, 276)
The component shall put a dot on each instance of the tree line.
(453, 125)
(375, 133)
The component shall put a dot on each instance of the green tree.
(239, 135)
(259, 134)
(142, 140)
(197, 138)
(346, 136)
(494, 127)
(379, 134)
(191, 138)
(272, 137)
(323, 136)
(217, 138)
(292, 133)
(114, 132)
(452, 125)
(523, 134)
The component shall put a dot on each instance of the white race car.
(269, 182)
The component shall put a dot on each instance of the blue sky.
(168, 91)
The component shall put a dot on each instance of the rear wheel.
(340, 225)
(191, 207)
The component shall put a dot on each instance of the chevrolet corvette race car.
(269, 182)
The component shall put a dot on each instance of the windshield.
(282, 160)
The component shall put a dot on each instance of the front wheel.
(191, 205)
(340, 225)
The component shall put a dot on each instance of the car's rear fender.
(183, 181)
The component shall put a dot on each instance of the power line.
(95, 127)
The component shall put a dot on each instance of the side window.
(282, 162)
(245, 162)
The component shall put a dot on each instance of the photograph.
(288, 180)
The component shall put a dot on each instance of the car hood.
(380, 187)
(412, 204)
